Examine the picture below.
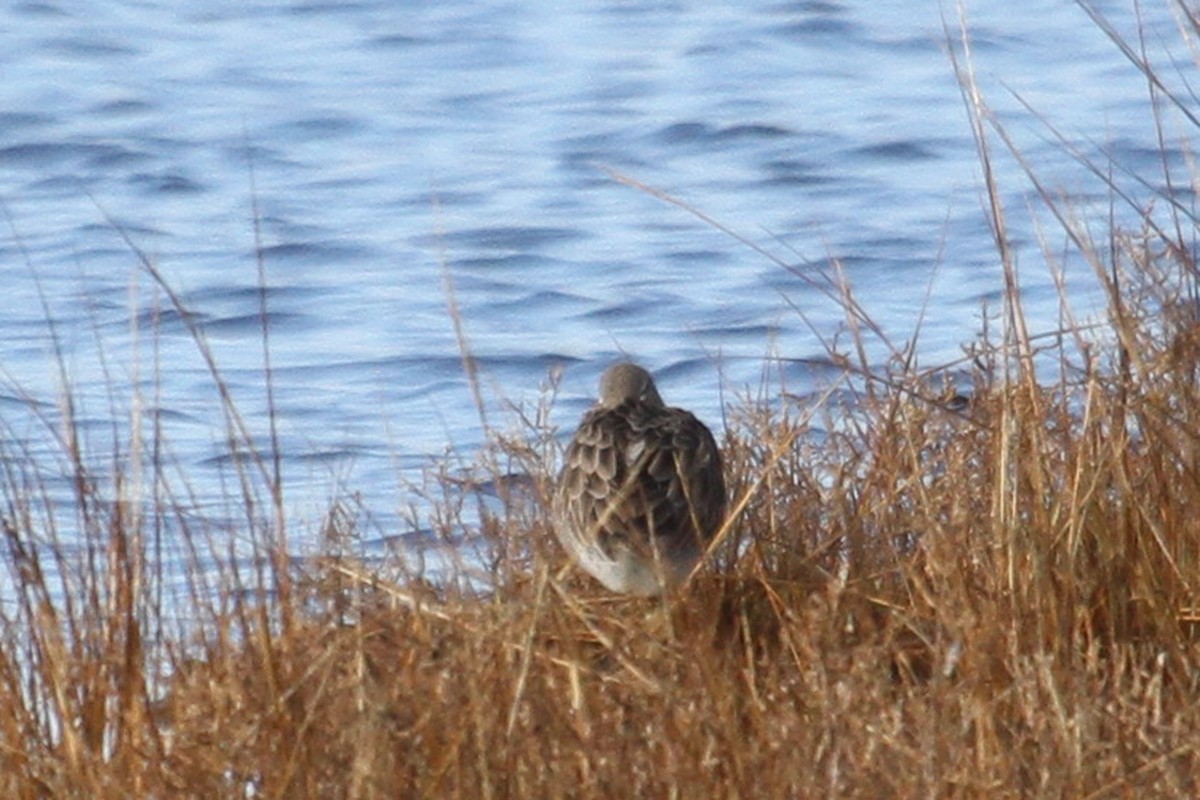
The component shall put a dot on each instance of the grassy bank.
(983, 590)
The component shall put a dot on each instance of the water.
(387, 146)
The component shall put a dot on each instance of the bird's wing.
(636, 471)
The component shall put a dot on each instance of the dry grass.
(991, 601)
(991, 591)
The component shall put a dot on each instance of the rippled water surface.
(389, 149)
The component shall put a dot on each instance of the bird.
(641, 492)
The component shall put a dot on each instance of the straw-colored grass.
(989, 590)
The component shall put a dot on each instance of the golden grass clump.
(987, 592)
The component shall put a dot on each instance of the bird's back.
(641, 485)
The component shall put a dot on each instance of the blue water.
(389, 150)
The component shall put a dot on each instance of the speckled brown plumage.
(641, 491)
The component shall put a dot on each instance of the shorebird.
(641, 492)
